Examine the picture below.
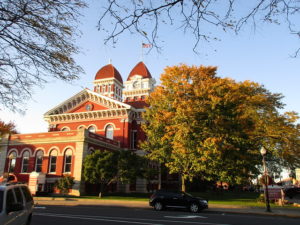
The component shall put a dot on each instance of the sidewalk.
(294, 213)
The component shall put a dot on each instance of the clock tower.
(139, 84)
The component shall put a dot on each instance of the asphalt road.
(104, 215)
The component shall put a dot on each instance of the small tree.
(105, 168)
(64, 184)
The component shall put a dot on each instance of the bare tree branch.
(194, 17)
(36, 44)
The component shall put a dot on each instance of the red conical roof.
(108, 71)
(140, 69)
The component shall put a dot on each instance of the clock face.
(135, 84)
(89, 107)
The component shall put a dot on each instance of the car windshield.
(1, 201)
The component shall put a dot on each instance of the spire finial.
(109, 61)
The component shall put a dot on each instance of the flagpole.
(142, 53)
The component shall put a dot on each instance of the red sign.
(274, 193)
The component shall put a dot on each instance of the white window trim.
(64, 171)
(83, 126)
(93, 125)
(65, 127)
(23, 162)
(50, 161)
(113, 131)
(35, 161)
(10, 159)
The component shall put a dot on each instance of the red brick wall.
(60, 147)
(120, 133)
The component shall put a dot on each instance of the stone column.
(3, 152)
(80, 153)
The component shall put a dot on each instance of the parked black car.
(163, 199)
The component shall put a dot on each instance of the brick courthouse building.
(107, 117)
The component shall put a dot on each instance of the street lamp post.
(263, 153)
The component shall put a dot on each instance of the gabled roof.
(84, 96)
(108, 71)
(140, 69)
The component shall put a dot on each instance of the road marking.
(123, 219)
(97, 219)
(186, 217)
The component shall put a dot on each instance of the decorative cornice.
(83, 96)
(137, 91)
(85, 116)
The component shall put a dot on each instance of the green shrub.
(64, 184)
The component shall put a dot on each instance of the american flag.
(144, 45)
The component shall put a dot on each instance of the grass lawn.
(231, 198)
(225, 197)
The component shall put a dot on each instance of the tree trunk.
(102, 186)
(159, 176)
(182, 183)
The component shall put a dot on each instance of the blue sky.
(262, 56)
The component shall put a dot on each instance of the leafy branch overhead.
(36, 45)
(196, 17)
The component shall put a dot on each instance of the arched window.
(92, 129)
(65, 129)
(81, 127)
(39, 161)
(52, 161)
(12, 162)
(109, 132)
(68, 161)
(25, 162)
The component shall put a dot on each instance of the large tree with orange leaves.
(199, 124)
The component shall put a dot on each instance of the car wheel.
(158, 206)
(194, 207)
(28, 220)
